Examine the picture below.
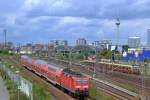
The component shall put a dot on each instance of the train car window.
(82, 82)
(51, 69)
(79, 81)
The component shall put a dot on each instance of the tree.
(84, 50)
(105, 54)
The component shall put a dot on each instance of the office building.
(81, 41)
(148, 37)
(134, 42)
(103, 44)
(58, 42)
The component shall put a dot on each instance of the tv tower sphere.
(118, 22)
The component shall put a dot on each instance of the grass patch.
(148, 71)
(93, 91)
(5, 53)
(39, 93)
(129, 87)
(96, 94)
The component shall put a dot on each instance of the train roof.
(72, 73)
(54, 67)
(41, 62)
(119, 65)
(25, 56)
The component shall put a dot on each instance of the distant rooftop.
(134, 37)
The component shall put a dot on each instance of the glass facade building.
(148, 37)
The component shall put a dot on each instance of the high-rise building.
(148, 37)
(64, 42)
(134, 42)
(81, 41)
(58, 42)
(102, 43)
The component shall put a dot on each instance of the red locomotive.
(73, 82)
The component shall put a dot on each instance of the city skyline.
(42, 21)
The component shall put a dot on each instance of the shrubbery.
(5, 52)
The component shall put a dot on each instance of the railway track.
(128, 79)
(56, 93)
(112, 79)
(115, 91)
(116, 77)
(120, 94)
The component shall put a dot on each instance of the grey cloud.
(10, 6)
(70, 19)
(126, 9)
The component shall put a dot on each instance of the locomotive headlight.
(78, 86)
(81, 86)
(85, 86)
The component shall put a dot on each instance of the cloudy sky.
(43, 20)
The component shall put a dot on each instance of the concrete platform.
(4, 95)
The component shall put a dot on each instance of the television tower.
(5, 38)
(117, 24)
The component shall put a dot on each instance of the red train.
(73, 82)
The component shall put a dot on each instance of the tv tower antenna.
(117, 24)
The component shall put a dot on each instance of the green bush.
(105, 54)
(93, 91)
(4, 52)
(96, 94)
(40, 94)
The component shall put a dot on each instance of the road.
(4, 95)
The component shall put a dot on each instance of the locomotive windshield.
(82, 81)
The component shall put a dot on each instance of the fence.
(23, 85)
